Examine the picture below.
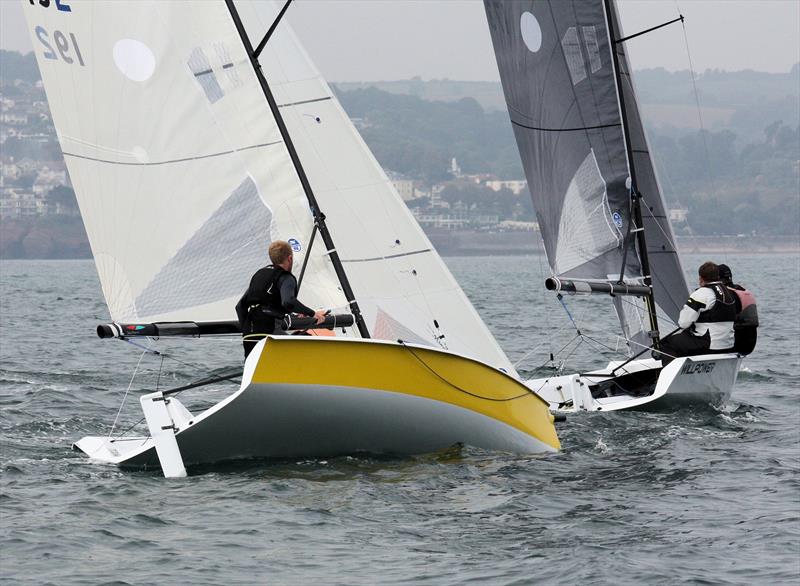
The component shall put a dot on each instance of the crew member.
(745, 328)
(706, 321)
(271, 295)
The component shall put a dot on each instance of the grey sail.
(558, 77)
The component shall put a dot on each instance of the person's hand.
(319, 315)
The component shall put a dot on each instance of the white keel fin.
(162, 430)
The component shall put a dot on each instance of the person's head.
(280, 254)
(725, 274)
(708, 272)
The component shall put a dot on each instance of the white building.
(516, 187)
(406, 188)
(678, 214)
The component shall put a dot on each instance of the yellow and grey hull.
(323, 397)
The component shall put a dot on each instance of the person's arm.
(697, 303)
(289, 302)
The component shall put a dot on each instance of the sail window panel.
(231, 71)
(572, 54)
(586, 229)
(212, 263)
(200, 67)
(592, 49)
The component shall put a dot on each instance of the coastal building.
(517, 225)
(678, 214)
(515, 186)
(15, 203)
(406, 188)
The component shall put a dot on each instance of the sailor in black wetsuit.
(271, 295)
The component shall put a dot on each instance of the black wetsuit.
(271, 295)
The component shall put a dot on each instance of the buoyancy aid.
(748, 316)
(726, 307)
(717, 317)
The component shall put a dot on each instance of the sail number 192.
(67, 47)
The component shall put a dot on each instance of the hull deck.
(643, 384)
(323, 397)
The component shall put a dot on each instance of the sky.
(372, 40)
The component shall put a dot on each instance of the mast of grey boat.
(319, 217)
(636, 197)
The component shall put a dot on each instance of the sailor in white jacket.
(706, 321)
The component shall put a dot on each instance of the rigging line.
(542, 252)
(160, 368)
(641, 309)
(527, 392)
(700, 120)
(307, 257)
(601, 344)
(651, 29)
(163, 355)
(122, 433)
(538, 368)
(125, 396)
(580, 341)
(569, 315)
(547, 338)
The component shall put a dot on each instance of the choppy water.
(693, 495)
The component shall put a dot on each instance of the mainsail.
(183, 177)
(559, 79)
(180, 172)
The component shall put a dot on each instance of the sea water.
(691, 495)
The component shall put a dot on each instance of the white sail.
(183, 178)
(402, 285)
(180, 171)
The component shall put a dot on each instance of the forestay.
(403, 287)
(180, 171)
(558, 77)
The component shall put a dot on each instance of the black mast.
(636, 197)
(319, 217)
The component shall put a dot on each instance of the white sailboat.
(193, 139)
(572, 104)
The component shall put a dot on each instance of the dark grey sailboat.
(572, 104)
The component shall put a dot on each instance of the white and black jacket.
(713, 309)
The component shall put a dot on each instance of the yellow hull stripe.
(419, 372)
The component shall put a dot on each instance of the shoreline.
(66, 239)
